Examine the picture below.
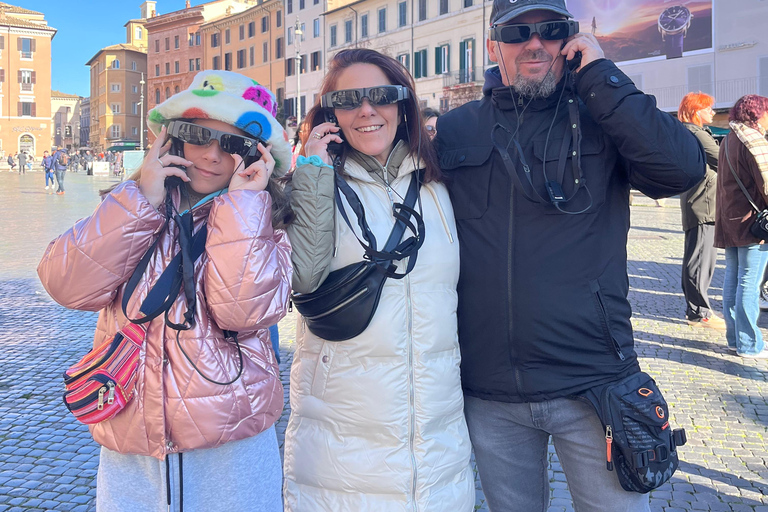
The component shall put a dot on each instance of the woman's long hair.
(689, 107)
(282, 215)
(411, 129)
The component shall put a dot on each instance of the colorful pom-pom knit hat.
(233, 99)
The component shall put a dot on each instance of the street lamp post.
(298, 32)
(141, 102)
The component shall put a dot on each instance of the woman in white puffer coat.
(377, 421)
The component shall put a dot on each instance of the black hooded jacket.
(543, 310)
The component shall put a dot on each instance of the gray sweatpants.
(242, 475)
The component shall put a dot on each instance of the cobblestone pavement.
(48, 461)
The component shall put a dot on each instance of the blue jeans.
(49, 176)
(510, 442)
(274, 335)
(744, 268)
(60, 180)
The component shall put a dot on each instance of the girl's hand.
(319, 137)
(256, 176)
(156, 168)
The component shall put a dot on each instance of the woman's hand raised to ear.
(257, 175)
(156, 168)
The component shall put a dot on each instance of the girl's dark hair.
(429, 113)
(282, 214)
(411, 130)
(748, 109)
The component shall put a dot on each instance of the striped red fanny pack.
(102, 383)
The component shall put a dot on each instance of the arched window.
(176, 90)
(115, 64)
(167, 92)
(157, 96)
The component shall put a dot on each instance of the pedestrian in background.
(60, 162)
(22, 163)
(201, 429)
(11, 162)
(543, 309)
(743, 157)
(430, 116)
(48, 170)
(697, 206)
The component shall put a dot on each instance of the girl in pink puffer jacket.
(186, 437)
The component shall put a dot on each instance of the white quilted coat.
(377, 421)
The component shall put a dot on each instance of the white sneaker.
(46, 187)
(759, 355)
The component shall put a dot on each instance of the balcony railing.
(725, 92)
(463, 76)
(26, 87)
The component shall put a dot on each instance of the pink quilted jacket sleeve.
(84, 267)
(248, 271)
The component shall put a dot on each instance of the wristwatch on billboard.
(673, 25)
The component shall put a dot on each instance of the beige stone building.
(250, 42)
(305, 54)
(116, 75)
(441, 43)
(25, 80)
(65, 120)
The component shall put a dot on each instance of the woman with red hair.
(698, 210)
(742, 191)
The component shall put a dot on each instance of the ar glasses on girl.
(192, 133)
(350, 99)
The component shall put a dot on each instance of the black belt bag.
(640, 443)
(759, 227)
(344, 304)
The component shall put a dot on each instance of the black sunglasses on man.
(521, 32)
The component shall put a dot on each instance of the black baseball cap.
(505, 10)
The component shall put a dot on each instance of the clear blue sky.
(84, 27)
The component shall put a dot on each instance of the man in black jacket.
(539, 172)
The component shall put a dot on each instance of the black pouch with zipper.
(641, 446)
(344, 304)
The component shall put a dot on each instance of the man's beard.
(531, 87)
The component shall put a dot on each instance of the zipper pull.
(290, 305)
(608, 448)
(526, 169)
(111, 395)
(389, 193)
(102, 390)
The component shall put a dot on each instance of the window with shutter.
(20, 108)
(2, 75)
(33, 109)
(34, 77)
(2, 42)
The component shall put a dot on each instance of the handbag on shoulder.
(344, 304)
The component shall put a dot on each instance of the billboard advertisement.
(631, 30)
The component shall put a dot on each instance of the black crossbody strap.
(167, 287)
(392, 250)
(738, 181)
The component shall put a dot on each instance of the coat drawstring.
(168, 492)
(440, 211)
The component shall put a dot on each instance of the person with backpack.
(199, 434)
(60, 163)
